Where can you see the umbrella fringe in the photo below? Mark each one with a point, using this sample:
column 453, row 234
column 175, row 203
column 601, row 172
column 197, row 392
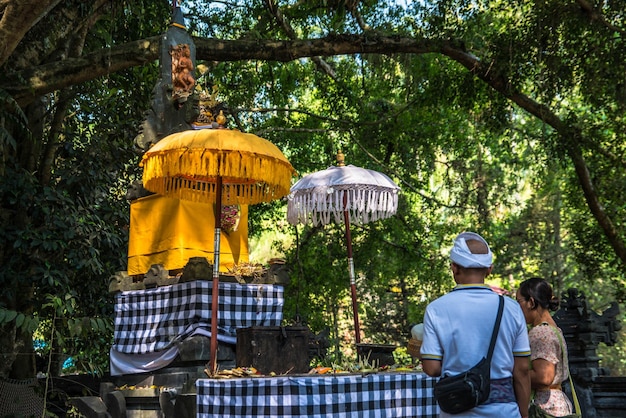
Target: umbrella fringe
column 320, row 207
column 247, row 178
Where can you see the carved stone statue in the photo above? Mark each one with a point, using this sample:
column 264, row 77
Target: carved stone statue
column 175, row 104
column 182, row 73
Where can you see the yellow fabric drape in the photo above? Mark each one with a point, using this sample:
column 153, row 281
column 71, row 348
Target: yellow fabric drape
column 170, row 231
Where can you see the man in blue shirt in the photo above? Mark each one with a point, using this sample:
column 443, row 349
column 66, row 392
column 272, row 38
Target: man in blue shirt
column 458, row 327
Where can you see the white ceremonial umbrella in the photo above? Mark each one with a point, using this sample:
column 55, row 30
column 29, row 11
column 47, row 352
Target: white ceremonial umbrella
column 347, row 194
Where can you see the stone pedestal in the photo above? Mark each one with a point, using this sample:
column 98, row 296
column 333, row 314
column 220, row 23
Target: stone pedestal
column 169, row 392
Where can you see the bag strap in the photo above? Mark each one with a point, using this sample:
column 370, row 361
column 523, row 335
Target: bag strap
column 571, row 383
column 496, row 328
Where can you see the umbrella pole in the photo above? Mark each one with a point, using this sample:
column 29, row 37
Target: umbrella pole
column 216, row 274
column 355, row 305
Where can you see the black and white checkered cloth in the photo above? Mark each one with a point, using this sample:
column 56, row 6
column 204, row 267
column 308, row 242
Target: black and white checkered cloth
column 378, row 395
column 153, row 319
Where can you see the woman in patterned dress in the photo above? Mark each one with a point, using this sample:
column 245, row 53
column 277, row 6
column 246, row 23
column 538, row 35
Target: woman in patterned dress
column 549, row 366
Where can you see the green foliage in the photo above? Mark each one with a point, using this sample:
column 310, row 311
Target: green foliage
column 464, row 155
column 61, row 240
column 466, row 159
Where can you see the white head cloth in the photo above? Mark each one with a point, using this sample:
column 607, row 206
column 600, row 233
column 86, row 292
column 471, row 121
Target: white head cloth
column 461, row 254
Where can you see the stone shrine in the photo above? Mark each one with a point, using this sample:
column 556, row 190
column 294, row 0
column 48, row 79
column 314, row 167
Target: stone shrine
column 599, row 394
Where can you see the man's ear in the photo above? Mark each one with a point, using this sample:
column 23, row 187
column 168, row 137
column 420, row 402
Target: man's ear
column 489, row 270
column 454, row 268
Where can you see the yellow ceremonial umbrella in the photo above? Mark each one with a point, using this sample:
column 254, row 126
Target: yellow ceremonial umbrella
column 222, row 166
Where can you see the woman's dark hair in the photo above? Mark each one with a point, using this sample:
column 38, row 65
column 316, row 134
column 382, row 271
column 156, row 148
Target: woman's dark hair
column 540, row 291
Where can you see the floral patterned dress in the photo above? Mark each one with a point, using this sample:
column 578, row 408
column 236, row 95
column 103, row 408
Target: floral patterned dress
column 544, row 344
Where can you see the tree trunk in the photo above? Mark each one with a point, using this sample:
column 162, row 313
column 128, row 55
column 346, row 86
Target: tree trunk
column 7, row 349
column 23, row 364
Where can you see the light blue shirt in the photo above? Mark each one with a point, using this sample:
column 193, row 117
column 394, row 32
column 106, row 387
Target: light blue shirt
column 457, row 331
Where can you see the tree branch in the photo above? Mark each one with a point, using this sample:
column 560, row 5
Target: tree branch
column 36, row 81
column 17, row 19
column 593, row 202
column 570, row 137
column 288, row 29
column 594, row 14
column 51, row 77
column 26, row 85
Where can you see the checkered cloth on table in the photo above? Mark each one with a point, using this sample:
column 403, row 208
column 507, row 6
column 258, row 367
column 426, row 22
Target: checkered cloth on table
column 153, row 319
column 375, row 395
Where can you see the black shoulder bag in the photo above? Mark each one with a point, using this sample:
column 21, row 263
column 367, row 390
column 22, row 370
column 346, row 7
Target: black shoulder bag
column 456, row 394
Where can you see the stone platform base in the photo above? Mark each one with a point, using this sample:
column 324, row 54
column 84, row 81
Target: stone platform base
column 166, row 393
